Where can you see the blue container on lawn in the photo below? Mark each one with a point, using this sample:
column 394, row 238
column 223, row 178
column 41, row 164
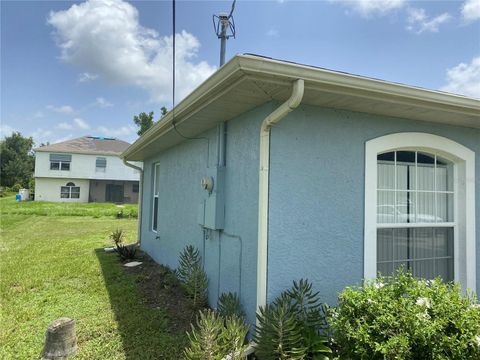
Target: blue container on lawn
column 18, row 197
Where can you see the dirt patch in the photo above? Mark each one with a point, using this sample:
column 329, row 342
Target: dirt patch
column 161, row 289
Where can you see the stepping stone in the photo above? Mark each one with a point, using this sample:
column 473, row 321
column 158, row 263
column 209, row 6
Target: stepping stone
column 132, row 264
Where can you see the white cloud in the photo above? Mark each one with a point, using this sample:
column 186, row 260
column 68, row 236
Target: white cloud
column 64, row 109
column 86, row 76
column 369, row 8
column 464, row 79
column 418, row 21
column 63, row 138
column 471, row 10
column 120, row 131
column 41, row 135
column 106, row 38
column 38, row 115
column 64, row 126
column 6, row 130
column 81, row 124
column 272, row 32
column 102, row 103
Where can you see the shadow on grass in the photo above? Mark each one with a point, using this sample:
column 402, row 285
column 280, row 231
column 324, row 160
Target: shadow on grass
column 137, row 298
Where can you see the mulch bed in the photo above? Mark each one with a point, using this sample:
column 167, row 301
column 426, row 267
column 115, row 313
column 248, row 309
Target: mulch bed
column 161, row 289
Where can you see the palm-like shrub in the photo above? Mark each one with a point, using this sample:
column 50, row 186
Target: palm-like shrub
column 192, row 276
column 229, row 305
column 292, row 327
column 215, row 337
column 405, row 318
column 126, row 252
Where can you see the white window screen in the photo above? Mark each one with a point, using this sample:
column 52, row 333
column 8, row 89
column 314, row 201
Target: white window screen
column 415, row 217
column 100, row 164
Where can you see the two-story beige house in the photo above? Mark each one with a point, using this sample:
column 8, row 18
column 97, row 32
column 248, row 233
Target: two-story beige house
column 85, row 169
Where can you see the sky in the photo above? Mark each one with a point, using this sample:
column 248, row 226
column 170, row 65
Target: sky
column 75, row 68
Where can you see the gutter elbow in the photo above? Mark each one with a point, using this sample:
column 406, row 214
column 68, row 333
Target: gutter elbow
column 297, row 94
column 293, row 101
column 126, row 163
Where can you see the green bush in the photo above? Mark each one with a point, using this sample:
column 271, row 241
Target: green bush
column 229, row 305
column 192, row 276
column 16, row 188
column 293, row 326
column 404, row 318
column 215, row 337
column 126, row 252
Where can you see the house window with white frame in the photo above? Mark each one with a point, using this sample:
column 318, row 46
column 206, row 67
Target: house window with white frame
column 70, row 191
column 415, row 217
column 100, row 164
column 156, row 192
column 420, row 207
column 60, row 162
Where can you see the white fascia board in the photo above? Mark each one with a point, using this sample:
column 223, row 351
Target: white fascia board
column 275, row 71
column 383, row 89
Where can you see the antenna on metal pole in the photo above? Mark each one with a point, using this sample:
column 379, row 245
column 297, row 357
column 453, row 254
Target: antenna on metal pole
column 224, row 26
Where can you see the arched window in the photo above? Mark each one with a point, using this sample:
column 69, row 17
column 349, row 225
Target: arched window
column 70, row 191
column 419, row 207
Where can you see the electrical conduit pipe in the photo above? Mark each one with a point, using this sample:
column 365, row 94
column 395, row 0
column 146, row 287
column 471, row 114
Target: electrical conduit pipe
column 140, row 195
column 277, row 115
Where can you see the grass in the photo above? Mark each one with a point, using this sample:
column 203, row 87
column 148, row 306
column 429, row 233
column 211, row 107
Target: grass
column 8, row 206
column 54, row 266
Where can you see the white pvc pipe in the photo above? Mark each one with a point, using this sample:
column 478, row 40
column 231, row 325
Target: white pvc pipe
column 140, row 195
column 278, row 114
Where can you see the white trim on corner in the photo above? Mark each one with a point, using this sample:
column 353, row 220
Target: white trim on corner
column 464, row 160
column 155, row 165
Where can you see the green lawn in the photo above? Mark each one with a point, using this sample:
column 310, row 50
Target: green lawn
column 53, row 266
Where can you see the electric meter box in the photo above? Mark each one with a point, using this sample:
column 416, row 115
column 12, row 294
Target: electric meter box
column 211, row 212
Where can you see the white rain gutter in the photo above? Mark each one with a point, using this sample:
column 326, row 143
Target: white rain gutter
column 140, row 195
column 277, row 115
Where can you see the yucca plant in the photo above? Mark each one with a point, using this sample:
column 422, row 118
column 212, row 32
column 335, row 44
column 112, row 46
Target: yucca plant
column 229, row 305
column 279, row 334
column 293, row 326
column 192, row 276
column 126, row 252
column 117, row 236
column 204, row 344
column 215, row 337
column 189, row 258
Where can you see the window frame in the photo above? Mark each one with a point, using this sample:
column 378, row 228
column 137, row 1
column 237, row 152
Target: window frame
column 101, row 160
column 135, row 188
column 60, row 165
column 70, row 186
column 155, row 197
column 463, row 160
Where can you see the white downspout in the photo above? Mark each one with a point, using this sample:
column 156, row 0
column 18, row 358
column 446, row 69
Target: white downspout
column 274, row 117
column 140, row 195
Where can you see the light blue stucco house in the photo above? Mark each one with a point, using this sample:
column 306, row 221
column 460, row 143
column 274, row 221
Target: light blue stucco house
column 278, row 171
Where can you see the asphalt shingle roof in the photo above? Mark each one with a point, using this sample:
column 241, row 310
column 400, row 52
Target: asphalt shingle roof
column 88, row 145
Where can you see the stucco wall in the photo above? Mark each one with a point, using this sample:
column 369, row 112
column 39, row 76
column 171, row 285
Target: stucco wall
column 316, row 200
column 317, row 194
column 181, row 169
column 48, row 189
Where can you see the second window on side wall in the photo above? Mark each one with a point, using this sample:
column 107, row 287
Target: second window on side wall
column 156, row 192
